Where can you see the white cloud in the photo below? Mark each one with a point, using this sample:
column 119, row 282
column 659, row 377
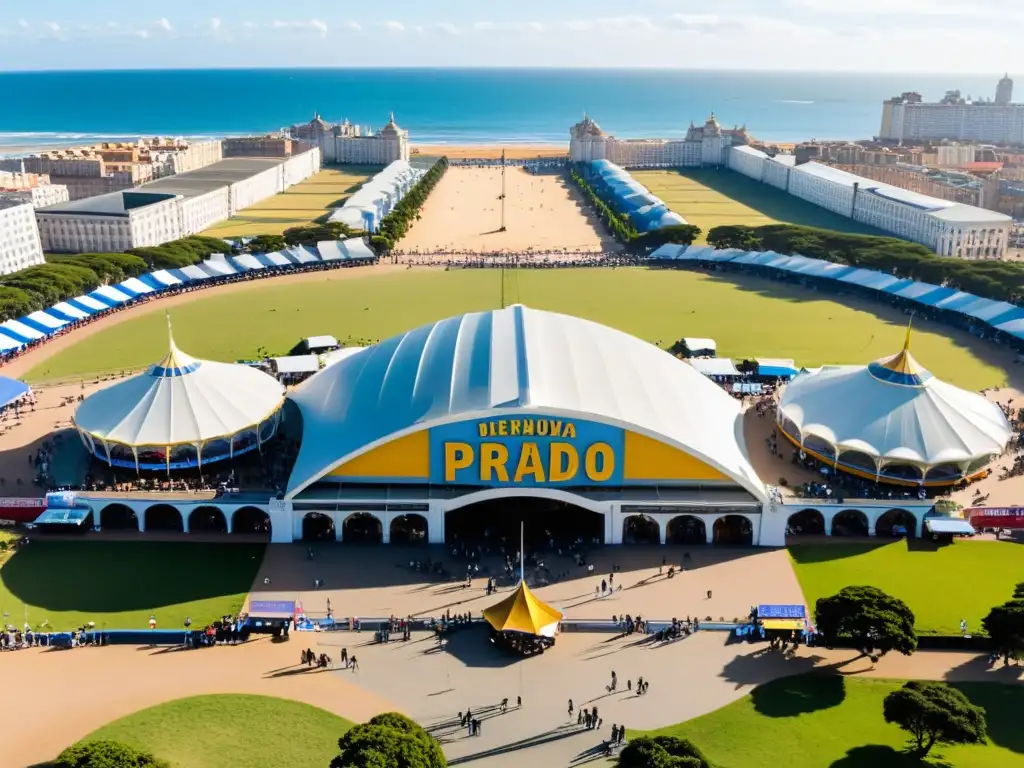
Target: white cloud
column 579, row 26
column 447, row 27
column 353, row 26
column 215, row 24
column 165, row 25
column 314, row 25
column 394, row 26
column 23, row 24
column 624, row 23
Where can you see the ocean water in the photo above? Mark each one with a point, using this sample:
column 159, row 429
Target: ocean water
column 455, row 106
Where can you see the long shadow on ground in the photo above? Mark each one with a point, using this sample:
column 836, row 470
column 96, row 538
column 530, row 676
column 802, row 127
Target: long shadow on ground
column 879, row 756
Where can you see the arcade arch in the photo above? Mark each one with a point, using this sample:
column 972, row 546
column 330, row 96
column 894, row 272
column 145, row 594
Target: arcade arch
column 362, row 528
column 550, row 520
column 733, row 531
column 251, row 520
column 806, row 522
column 850, row 522
column 316, row 526
column 207, row 519
column 164, row 517
column 119, row 517
column 686, row 529
column 895, row 519
column 641, row 529
column 409, row 529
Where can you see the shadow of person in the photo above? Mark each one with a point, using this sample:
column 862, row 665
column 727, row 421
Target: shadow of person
column 881, row 756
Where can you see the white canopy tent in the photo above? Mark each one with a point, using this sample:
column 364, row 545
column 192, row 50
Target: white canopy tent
column 892, row 418
column 181, row 412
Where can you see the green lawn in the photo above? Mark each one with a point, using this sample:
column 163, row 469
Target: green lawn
column 304, row 203
column 748, row 317
column 820, row 720
column 232, row 729
column 941, row 586
column 709, row 198
column 120, row 584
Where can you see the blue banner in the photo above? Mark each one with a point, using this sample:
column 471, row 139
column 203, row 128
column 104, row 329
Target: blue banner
column 781, row 612
column 535, row 451
column 263, row 607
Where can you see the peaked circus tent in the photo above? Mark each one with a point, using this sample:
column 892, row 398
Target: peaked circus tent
column 523, row 611
column 893, row 419
column 181, row 412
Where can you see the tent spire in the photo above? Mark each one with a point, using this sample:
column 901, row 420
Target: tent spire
column 906, row 341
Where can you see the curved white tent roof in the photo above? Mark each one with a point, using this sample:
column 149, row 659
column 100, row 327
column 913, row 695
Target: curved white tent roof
column 181, row 400
column 895, row 410
column 477, row 364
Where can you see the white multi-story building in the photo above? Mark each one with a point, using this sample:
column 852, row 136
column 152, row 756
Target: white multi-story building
column 703, row 146
column 909, row 119
column 170, row 208
column 948, row 228
column 344, row 143
column 20, row 246
column 38, row 196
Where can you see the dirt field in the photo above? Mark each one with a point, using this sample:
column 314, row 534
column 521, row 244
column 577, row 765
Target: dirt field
column 512, row 151
column 543, row 212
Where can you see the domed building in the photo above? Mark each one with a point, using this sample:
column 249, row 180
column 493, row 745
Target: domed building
column 519, row 411
column 181, row 413
column 892, row 421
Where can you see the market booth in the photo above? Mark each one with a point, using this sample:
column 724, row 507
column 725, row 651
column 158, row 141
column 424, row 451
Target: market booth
column 523, row 622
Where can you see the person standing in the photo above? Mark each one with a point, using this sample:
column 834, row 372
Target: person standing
column 570, row 709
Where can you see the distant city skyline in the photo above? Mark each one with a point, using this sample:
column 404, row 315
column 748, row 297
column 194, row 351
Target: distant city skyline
column 817, row 35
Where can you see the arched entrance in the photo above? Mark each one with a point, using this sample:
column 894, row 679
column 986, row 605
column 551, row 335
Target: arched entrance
column 207, row 520
column 688, row 530
column 251, row 520
column 119, row 517
column 640, row 529
column 362, row 528
column 850, row 522
column 549, row 525
column 807, row 522
column 733, row 531
column 163, row 517
column 896, row 522
column 409, row 529
column 316, row 526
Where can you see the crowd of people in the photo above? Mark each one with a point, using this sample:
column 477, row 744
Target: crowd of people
column 556, row 258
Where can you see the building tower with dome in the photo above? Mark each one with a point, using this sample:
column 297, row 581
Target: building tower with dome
column 705, row 145
column 346, row 142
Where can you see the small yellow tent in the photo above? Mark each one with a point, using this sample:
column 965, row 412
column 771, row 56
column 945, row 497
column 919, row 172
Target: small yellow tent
column 522, row 611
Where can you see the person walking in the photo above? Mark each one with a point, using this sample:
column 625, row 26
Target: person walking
column 344, row 657
column 355, row 663
column 570, row 709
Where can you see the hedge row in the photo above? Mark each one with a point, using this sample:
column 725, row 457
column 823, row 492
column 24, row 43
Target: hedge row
column 65, row 277
column 619, row 225
column 999, row 280
column 397, row 222
column 310, row 235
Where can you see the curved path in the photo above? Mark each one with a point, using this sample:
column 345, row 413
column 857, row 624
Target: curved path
column 688, row 678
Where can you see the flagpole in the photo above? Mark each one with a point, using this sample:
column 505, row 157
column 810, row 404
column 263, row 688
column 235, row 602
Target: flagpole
column 522, row 552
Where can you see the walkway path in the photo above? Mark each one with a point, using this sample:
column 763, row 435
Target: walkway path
column 688, row 678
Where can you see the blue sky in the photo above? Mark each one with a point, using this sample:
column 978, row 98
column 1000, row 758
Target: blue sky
column 842, row 35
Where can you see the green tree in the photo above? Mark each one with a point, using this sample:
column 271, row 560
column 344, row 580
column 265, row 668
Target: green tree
column 267, row 244
column 389, row 740
column 1005, row 626
column 662, row 752
column 678, row 234
column 1018, row 591
column 873, row 621
column 934, row 713
column 107, row 754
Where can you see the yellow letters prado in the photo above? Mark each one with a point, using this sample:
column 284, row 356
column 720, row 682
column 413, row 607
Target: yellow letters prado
column 526, row 451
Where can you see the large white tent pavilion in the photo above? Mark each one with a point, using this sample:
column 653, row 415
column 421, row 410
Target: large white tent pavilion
column 181, row 413
column 892, row 420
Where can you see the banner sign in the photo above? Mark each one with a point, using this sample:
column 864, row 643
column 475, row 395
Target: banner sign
column 271, row 607
column 15, row 503
column 781, row 612
column 61, row 500
column 996, row 517
column 526, row 451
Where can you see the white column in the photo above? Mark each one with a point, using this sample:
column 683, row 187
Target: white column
column 662, row 531
column 613, row 525
column 385, row 526
column 184, row 519
column 229, row 518
column 282, row 521
column 872, row 517
column 435, row 523
column 140, row 516
column 339, row 525
column 709, row 529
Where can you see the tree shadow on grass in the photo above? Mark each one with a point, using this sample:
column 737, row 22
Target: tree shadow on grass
column 110, row 577
column 881, row 756
column 804, row 554
column 792, row 696
column 1003, row 706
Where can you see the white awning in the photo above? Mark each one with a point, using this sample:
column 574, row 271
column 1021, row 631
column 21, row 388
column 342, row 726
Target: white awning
column 949, row 525
column 296, row 364
column 695, row 343
column 48, row 321
column 715, row 366
column 165, row 277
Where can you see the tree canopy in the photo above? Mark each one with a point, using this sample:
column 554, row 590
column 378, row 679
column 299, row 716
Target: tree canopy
column 934, row 713
column 1005, row 626
column 400, row 218
column 873, row 621
column 389, row 740
column 311, row 234
column 619, row 225
column 106, row 754
column 680, row 234
column 267, row 243
column 987, row 278
column 662, row 752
